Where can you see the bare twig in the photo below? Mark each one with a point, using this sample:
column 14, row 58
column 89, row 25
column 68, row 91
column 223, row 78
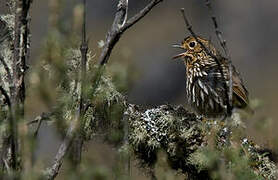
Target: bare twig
column 43, row 116
column 39, row 119
column 76, row 149
column 190, row 29
column 38, row 128
column 225, row 48
column 217, row 31
column 84, row 52
column 53, row 171
column 141, row 14
column 120, row 25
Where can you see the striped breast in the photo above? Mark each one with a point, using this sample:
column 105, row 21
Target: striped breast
column 205, row 89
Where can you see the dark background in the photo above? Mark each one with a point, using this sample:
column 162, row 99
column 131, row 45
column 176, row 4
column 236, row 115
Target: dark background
column 250, row 28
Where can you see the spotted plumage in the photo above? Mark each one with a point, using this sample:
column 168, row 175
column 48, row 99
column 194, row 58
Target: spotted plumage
column 205, row 87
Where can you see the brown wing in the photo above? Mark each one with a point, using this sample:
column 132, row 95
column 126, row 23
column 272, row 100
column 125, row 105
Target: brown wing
column 240, row 93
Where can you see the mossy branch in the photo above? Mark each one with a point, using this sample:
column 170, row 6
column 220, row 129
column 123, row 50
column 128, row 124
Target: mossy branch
column 195, row 147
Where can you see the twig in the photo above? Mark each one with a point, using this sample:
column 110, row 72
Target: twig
column 53, row 171
column 38, row 128
column 120, row 25
column 76, row 149
column 141, row 14
column 217, row 31
column 190, row 29
column 84, row 52
column 43, row 116
column 225, row 48
column 39, row 119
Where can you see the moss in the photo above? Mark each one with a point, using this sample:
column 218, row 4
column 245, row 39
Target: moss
column 201, row 149
column 167, row 128
column 107, row 108
column 259, row 160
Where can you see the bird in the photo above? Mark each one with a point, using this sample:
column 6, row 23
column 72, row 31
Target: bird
column 207, row 79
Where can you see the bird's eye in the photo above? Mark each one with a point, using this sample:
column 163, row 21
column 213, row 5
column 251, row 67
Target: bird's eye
column 192, row 44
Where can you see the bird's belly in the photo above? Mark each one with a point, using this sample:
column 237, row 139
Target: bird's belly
column 204, row 100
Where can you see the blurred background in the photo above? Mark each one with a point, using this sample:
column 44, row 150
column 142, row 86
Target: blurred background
column 143, row 54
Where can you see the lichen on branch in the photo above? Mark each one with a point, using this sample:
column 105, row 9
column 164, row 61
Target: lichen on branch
column 194, row 147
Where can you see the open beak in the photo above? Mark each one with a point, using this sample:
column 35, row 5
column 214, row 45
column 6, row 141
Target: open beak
column 181, row 54
column 177, row 46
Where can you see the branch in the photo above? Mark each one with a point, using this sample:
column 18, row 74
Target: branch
column 39, row 119
column 195, row 148
column 141, row 14
column 53, row 171
column 217, row 31
column 190, row 29
column 120, row 25
column 17, row 87
column 225, row 48
column 43, row 116
column 84, row 52
column 76, row 149
column 117, row 29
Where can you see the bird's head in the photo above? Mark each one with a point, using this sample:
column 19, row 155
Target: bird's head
column 191, row 47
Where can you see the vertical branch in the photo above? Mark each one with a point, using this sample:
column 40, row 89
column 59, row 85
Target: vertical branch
column 226, row 51
column 21, row 53
column 78, row 141
column 84, row 51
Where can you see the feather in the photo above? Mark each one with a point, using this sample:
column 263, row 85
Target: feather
column 240, row 93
